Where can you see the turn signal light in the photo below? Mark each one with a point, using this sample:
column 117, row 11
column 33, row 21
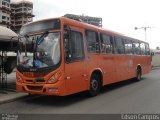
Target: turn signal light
column 54, row 78
column 19, row 79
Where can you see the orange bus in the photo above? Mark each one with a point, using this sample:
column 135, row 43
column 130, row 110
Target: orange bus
column 61, row 56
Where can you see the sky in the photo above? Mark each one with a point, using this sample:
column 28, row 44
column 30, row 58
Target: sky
column 118, row 15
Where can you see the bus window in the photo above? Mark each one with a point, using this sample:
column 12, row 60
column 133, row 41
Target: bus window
column 74, row 50
column 142, row 46
column 106, row 43
column 92, row 41
column 147, row 50
column 136, row 48
column 128, row 46
column 119, row 45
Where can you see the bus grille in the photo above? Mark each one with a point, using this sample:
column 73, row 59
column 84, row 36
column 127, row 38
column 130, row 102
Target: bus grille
column 31, row 74
column 29, row 80
column 37, row 80
column 40, row 80
column 34, row 87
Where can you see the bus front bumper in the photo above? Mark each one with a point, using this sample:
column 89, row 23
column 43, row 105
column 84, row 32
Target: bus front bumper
column 57, row 89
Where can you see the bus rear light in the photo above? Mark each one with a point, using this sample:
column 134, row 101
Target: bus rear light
column 54, row 78
column 19, row 79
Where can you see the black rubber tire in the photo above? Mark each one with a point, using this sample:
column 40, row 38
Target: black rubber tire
column 139, row 74
column 95, row 85
column 30, row 94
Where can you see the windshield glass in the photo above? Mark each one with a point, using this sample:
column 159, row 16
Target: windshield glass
column 39, row 55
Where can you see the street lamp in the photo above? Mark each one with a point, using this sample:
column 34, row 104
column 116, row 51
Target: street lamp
column 145, row 31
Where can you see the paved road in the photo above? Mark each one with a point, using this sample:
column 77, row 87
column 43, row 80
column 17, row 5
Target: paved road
column 124, row 97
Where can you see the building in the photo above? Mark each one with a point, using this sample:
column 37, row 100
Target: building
column 14, row 15
column 22, row 13
column 87, row 19
column 5, row 13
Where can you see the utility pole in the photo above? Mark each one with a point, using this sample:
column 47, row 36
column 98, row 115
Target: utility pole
column 145, row 31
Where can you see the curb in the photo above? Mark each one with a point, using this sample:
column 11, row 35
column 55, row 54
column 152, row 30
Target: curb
column 11, row 98
column 153, row 68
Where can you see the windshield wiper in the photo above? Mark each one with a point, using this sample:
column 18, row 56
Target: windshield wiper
column 41, row 39
column 38, row 42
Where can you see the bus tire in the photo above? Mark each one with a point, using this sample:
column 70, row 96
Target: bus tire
column 95, row 85
column 30, row 94
column 139, row 74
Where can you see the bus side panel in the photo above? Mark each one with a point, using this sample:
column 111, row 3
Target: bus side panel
column 123, row 67
column 74, row 76
column 107, row 64
column 136, row 62
column 92, row 64
column 144, row 62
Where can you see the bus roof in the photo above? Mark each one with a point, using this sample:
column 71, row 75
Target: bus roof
column 92, row 27
column 88, row 26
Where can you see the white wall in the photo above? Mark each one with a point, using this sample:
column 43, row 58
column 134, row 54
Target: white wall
column 156, row 59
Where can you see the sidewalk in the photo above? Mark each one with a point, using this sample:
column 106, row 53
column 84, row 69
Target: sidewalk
column 155, row 67
column 9, row 94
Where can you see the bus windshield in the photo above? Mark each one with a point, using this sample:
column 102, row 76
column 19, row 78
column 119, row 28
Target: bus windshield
column 40, row 26
column 36, row 53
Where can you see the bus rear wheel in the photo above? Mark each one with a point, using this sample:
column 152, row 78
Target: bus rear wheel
column 95, row 85
column 139, row 74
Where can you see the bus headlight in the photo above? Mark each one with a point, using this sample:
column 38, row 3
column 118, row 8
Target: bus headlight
column 19, row 79
column 54, row 78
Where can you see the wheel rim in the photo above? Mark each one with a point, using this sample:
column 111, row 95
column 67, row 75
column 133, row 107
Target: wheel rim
column 94, row 85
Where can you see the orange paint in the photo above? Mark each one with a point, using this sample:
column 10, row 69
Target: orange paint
column 75, row 76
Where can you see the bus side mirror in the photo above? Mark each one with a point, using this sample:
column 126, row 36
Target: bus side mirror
column 66, row 34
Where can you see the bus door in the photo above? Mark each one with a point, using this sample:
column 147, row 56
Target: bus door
column 75, row 70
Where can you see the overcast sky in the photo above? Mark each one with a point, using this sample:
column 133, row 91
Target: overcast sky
column 118, row 15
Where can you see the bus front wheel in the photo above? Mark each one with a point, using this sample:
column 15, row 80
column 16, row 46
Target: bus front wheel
column 94, row 85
